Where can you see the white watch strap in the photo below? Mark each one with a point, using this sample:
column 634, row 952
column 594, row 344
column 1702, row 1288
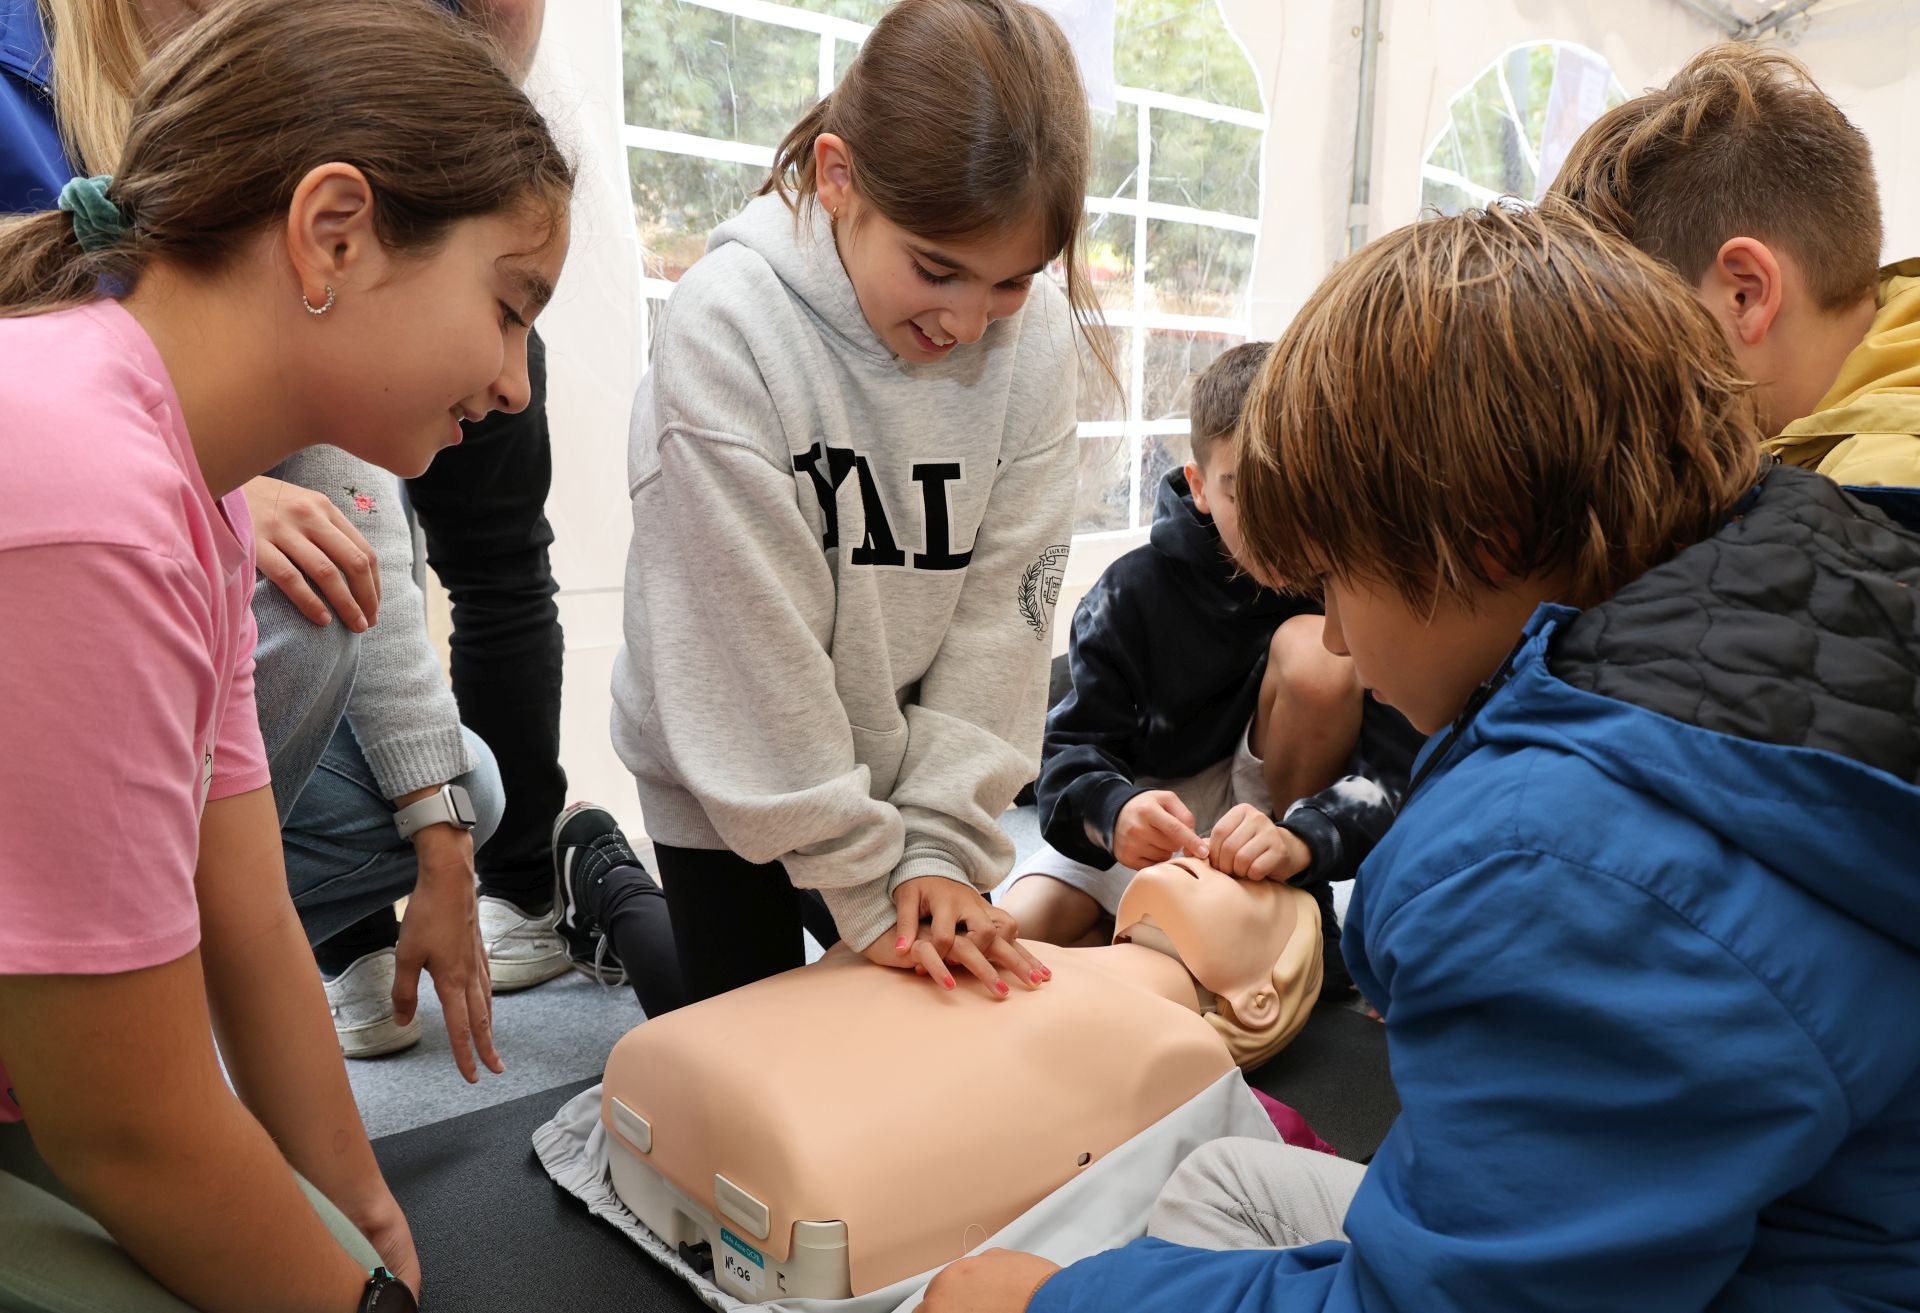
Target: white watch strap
column 450, row 806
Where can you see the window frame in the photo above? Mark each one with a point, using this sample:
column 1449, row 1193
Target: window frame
column 1135, row 321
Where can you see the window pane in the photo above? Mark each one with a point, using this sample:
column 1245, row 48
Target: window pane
column 1106, row 248
column 1174, row 361
column 1158, row 455
column 1444, row 197
column 651, row 307
column 843, row 53
column 1205, row 164
column 860, row 11
column 1182, row 47
column 1489, row 139
column 1102, row 398
column 1116, row 152
column 678, row 199
column 697, row 70
column 1101, row 503
column 1195, row 270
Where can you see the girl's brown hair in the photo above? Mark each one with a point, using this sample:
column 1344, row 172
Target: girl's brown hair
column 1495, row 395
column 231, row 115
column 963, row 118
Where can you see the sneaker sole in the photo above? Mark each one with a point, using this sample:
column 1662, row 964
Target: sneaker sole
column 378, row 1038
column 523, row 973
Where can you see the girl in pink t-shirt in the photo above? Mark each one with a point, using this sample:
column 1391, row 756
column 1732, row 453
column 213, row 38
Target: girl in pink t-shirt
column 333, row 220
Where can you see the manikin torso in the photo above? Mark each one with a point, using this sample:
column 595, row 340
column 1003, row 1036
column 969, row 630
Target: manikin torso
column 798, row 1113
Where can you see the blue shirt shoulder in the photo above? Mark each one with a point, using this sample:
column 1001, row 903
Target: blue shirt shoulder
column 33, row 163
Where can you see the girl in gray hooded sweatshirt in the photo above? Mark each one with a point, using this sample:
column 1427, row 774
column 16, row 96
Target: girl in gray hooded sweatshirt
column 852, row 468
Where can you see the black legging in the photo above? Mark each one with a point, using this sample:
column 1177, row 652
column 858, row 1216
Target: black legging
column 482, row 509
column 725, row 922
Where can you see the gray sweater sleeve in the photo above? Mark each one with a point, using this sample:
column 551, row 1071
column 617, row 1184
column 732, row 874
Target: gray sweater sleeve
column 733, row 640
column 974, row 731
column 402, row 712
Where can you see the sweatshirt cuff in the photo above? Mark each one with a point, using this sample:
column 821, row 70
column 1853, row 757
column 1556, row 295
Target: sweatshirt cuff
column 922, row 862
column 416, row 761
column 1104, row 804
column 1322, row 837
column 861, row 912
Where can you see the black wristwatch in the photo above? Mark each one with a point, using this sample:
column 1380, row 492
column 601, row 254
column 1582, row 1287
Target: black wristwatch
column 386, row 1293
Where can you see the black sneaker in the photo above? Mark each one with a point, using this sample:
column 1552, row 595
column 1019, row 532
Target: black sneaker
column 587, row 845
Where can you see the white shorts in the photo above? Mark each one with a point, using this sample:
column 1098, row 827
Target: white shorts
column 1209, row 795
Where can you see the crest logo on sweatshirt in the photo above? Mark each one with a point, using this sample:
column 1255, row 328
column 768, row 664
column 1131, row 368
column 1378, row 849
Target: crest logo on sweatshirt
column 1040, row 589
column 828, row 467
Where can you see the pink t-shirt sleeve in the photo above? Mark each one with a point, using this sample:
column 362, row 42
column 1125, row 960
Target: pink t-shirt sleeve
column 102, row 694
column 240, row 760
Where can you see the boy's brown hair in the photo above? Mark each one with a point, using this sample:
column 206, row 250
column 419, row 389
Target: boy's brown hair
column 1489, row 396
column 1741, row 143
column 1220, row 394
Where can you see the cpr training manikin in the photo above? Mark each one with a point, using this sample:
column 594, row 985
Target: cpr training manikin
column 779, row 1133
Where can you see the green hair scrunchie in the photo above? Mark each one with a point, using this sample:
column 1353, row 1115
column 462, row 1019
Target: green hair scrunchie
column 97, row 221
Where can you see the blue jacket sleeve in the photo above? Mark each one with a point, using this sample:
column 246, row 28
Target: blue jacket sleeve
column 1598, row 1101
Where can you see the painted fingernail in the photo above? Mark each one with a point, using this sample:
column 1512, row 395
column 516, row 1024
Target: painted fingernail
column 900, row 944
column 947, row 981
column 1000, row 987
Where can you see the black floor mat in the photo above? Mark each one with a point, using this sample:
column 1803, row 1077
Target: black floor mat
column 495, row 1233
column 1335, row 1075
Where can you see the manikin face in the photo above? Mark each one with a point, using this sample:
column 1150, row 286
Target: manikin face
column 925, row 298
column 419, row 344
column 1253, row 944
column 1212, row 485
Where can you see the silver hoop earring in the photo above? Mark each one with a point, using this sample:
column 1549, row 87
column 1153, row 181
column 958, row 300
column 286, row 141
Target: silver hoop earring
column 321, row 309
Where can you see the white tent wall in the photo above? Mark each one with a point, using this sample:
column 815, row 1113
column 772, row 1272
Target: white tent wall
column 593, row 334
column 1307, row 55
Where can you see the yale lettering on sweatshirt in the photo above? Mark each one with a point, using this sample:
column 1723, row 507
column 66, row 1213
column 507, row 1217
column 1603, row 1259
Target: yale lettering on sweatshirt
column 828, row 467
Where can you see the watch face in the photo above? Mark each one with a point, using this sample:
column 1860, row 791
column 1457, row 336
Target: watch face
column 392, row 1297
column 462, row 806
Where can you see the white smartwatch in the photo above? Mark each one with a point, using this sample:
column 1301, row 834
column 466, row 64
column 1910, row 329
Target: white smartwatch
column 450, row 806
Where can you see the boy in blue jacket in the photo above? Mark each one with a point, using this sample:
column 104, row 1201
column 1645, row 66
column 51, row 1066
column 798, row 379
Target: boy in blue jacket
column 1636, row 929
column 1199, row 699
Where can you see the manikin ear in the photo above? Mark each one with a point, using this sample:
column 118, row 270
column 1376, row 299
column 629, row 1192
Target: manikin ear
column 330, row 233
column 1743, row 289
column 832, row 172
column 1196, row 484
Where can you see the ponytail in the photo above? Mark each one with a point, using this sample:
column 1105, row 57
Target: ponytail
column 43, row 266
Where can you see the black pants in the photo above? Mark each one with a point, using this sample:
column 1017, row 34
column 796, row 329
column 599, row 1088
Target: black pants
column 482, row 507
column 726, row 923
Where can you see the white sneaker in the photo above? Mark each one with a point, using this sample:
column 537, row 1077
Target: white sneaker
column 522, row 950
column 362, row 1001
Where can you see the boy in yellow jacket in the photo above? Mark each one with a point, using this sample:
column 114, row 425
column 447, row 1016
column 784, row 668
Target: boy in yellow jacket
column 1747, row 179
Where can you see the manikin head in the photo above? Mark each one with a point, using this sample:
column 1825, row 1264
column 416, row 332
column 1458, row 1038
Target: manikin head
column 1253, row 946
column 1748, row 181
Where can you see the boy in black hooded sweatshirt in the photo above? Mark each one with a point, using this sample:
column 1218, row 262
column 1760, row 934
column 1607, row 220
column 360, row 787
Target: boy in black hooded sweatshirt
column 1198, row 699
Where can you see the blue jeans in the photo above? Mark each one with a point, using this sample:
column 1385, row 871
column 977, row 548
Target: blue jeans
column 346, row 865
